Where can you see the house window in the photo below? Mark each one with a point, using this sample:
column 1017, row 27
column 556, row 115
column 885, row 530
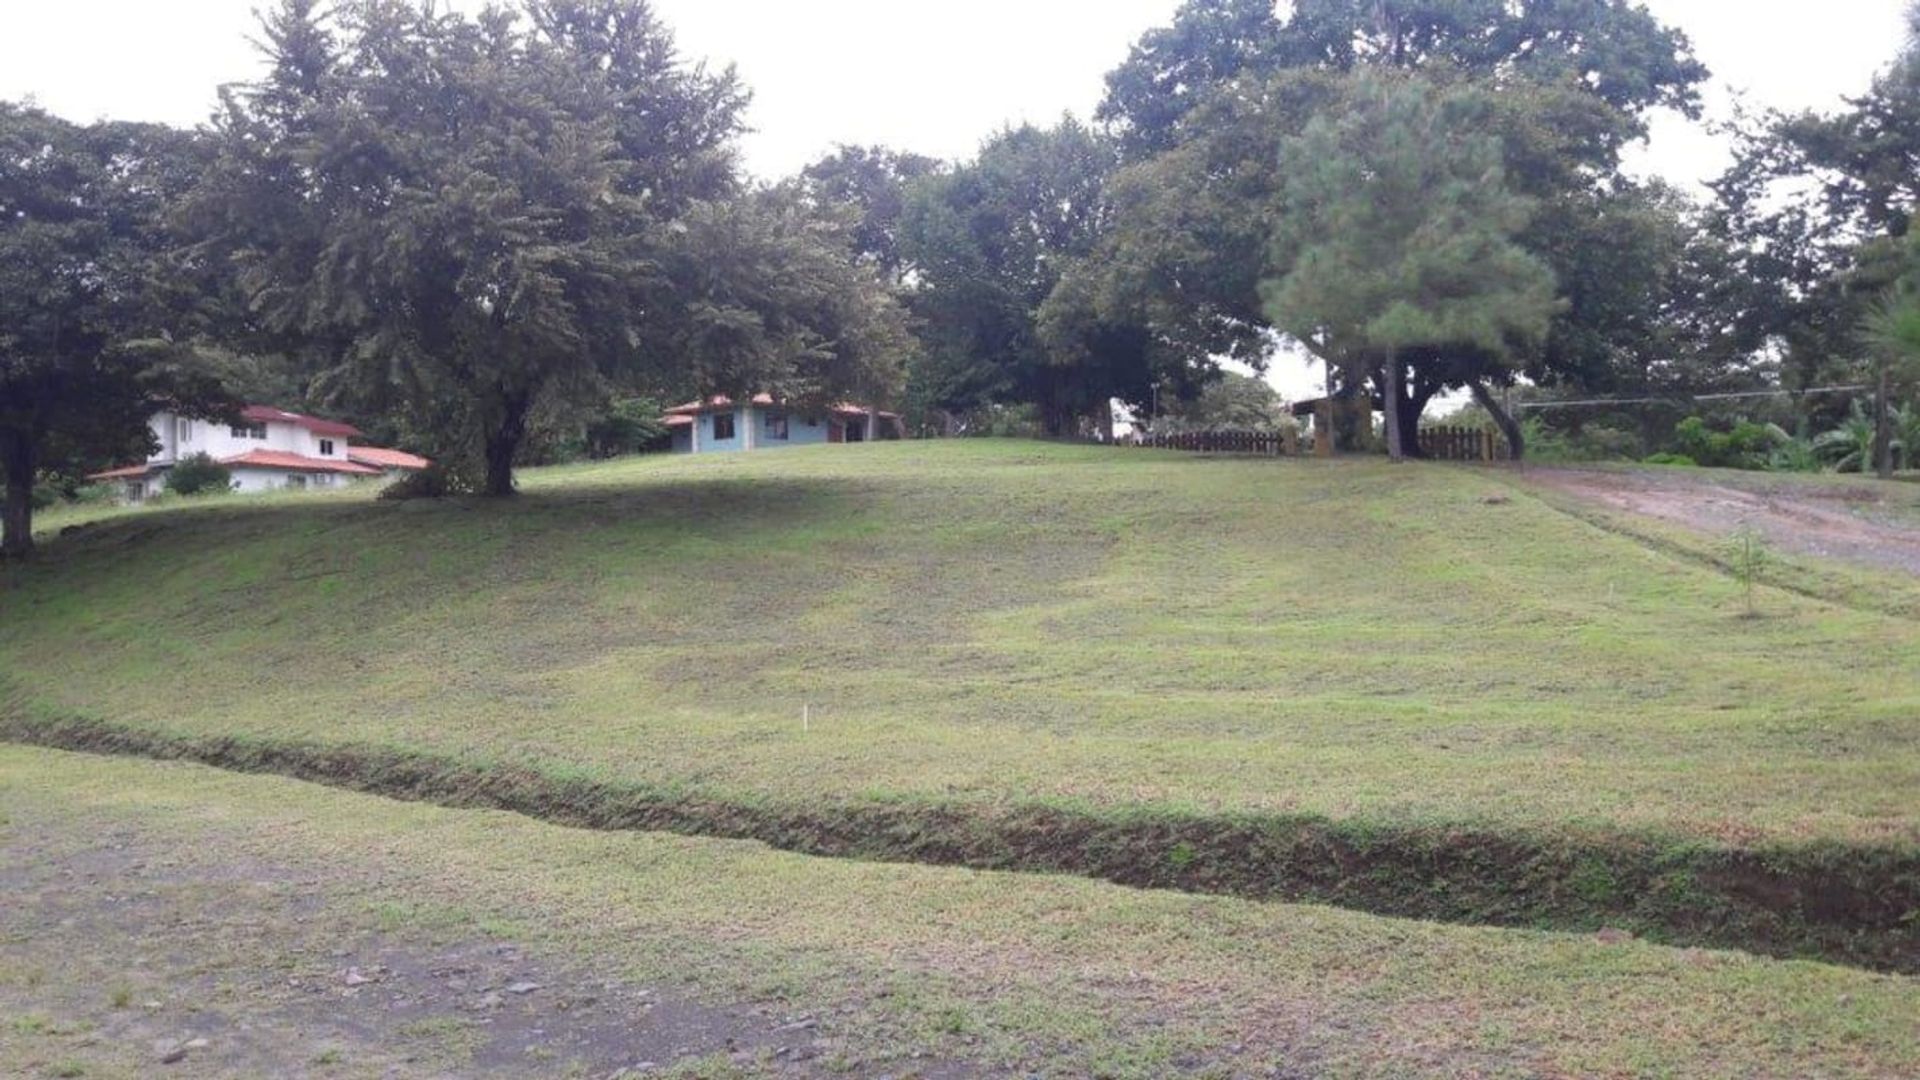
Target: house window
column 296, row 480
column 723, row 425
column 183, row 429
column 249, row 431
column 776, row 425
column 326, row 447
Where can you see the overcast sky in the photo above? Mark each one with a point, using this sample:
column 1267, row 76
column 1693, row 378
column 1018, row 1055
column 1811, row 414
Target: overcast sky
column 914, row 74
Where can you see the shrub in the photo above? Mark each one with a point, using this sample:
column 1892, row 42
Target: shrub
column 1664, row 458
column 626, row 426
column 428, row 483
column 1746, row 446
column 1593, row 442
column 1794, row 455
column 199, row 475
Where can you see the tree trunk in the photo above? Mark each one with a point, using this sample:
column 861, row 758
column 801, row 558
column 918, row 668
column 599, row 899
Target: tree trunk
column 1411, row 410
column 1396, row 446
column 1055, row 420
column 1516, row 442
column 1883, row 426
column 16, row 523
column 1346, row 391
column 503, row 442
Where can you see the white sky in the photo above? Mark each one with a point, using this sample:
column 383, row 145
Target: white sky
column 914, row 74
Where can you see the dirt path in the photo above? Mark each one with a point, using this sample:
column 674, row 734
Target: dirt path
column 1859, row 523
column 122, row 957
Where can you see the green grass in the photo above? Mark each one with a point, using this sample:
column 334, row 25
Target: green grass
column 989, row 625
column 1044, row 974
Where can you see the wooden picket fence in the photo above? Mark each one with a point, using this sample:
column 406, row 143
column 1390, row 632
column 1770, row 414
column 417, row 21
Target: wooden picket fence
column 1463, row 444
column 1439, row 443
column 1264, row 443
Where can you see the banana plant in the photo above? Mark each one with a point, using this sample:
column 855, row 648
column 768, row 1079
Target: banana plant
column 1849, row 447
column 1906, row 435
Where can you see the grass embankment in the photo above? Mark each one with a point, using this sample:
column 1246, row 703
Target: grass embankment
column 1054, row 975
column 1340, row 680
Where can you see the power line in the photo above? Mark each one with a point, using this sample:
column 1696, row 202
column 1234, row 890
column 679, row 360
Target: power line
column 1729, row 396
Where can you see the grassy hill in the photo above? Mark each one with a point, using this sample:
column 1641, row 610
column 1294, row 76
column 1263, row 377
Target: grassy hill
column 1418, row 690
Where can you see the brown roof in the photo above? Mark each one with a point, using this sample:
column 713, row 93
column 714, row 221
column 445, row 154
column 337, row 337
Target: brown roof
column 267, row 414
column 386, row 459
column 721, row 401
column 280, row 459
column 125, row 473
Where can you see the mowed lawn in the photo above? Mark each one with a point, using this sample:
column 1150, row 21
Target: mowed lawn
column 1002, row 621
column 913, row 971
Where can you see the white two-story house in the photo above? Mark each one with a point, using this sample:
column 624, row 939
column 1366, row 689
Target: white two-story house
column 265, row 449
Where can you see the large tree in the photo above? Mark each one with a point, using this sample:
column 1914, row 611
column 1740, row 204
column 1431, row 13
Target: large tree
column 92, row 337
column 1397, row 234
column 869, row 183
column 773, row 299
column 989, row 241
column 1811, row 208
column 1614, row 48
column 1204, row 105
column 457, row 217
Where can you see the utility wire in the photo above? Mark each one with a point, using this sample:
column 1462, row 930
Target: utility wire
column 1677, row 398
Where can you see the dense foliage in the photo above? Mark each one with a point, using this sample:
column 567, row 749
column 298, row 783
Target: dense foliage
column 95, row 332
column 464, row 219
column 502, row 236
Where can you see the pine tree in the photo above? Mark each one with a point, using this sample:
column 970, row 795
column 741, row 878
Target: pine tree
column 1396, row 229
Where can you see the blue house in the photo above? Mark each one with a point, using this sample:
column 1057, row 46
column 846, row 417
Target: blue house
column 700, row 427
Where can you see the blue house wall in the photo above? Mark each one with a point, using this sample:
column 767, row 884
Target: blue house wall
column 802, row 430
column 707, row 439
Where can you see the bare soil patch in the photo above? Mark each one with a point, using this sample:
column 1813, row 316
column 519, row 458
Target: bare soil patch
column 1856, row 523
column 128, row 957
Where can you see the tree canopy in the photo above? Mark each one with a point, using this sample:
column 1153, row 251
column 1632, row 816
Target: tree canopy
column 988, row 241
column 486, row 228
column 465, row 216
column 1614, row 49
column 93, row 336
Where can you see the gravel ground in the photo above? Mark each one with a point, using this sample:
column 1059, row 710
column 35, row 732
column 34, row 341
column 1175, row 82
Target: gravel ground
column 1852, row 522
column 120, row 956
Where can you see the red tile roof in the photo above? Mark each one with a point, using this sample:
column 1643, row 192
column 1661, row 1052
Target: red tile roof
column 267, row 414
column 280, row 459
column 717, row 401
column 386, row 459
column 721, row 401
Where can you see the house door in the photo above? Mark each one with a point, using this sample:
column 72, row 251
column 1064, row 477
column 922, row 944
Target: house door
column 856, row 430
